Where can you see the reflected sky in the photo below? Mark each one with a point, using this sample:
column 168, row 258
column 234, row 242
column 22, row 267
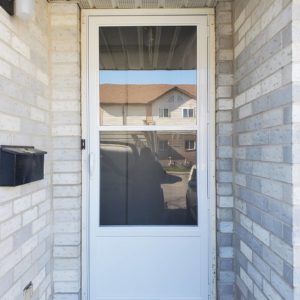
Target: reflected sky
column 148, row 77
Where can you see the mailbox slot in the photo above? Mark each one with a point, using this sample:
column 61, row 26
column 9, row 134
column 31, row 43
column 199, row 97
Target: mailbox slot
column 20, row 165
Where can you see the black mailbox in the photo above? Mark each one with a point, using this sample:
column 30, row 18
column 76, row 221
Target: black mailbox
column 20, row 165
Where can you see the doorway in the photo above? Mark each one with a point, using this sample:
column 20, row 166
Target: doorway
column 148, row 142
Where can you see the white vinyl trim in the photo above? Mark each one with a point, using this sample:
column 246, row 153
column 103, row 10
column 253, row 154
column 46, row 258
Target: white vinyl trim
column 148, row 128
column 212, row 247
column 85, row 179
column 150, row 12
column 134, row 298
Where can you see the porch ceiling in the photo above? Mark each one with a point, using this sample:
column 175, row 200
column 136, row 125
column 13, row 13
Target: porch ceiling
column 142, row 3
column 157, row 48
column 147, row 48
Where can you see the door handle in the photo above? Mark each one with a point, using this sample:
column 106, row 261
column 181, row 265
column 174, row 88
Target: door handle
column 92, row 163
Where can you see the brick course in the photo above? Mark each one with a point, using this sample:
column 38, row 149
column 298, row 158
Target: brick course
column 66, row 132
column 224, row 106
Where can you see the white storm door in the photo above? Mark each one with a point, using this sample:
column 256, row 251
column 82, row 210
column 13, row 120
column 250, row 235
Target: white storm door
column 148, row 197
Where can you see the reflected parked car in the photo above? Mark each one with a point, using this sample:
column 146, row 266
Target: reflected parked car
column 130, row 186
column 191, row 196
column 117, row 174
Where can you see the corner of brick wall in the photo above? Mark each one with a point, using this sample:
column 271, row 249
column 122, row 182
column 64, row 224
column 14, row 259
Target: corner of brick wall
column 296, row 146
column 224, row 106
column 66, row 135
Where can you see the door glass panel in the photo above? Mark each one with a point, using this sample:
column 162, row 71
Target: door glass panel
column 148, row 178
column 148, row 76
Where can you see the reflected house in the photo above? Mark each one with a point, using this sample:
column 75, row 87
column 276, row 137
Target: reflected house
column 154, row 104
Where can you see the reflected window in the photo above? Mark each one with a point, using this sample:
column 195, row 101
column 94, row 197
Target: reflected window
column 164, row 113
column 188, row 112
column 163, row 145
column 190, row 145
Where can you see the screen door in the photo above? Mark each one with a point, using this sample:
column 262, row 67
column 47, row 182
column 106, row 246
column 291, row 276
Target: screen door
column 148, row 157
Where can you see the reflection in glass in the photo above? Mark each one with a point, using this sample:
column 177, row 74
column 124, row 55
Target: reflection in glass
column 147, row 75
column 147, row 48
column 151, row 104
column 148, row 178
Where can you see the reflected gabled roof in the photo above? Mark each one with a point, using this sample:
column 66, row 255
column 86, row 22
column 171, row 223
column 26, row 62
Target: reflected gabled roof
column 142, row 93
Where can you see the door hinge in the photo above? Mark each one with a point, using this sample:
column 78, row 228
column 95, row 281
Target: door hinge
column 82, row 144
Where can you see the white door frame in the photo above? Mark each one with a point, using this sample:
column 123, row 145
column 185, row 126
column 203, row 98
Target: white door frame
column 87, row 15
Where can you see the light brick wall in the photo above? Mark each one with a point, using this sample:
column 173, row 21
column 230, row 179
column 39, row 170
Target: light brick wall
column 40, row 106
column 224, row 106
column 262, row 149
column 25, row 220
column 66, row 132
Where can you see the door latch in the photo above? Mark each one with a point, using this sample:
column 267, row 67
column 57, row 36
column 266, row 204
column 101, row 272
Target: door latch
column 82, row 144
